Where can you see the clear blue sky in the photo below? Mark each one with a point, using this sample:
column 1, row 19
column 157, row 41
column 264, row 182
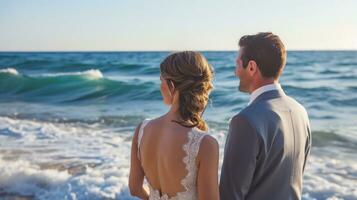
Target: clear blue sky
column 71, row 25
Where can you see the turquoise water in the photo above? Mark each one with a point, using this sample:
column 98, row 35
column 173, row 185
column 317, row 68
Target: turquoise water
column 66, row 119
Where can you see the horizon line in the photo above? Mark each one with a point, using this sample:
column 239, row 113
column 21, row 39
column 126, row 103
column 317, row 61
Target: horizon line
column 108, row 51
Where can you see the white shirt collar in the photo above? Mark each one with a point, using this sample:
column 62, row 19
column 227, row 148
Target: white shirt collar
column 261, row 90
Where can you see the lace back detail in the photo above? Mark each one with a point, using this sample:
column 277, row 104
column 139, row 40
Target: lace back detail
column 191, row 148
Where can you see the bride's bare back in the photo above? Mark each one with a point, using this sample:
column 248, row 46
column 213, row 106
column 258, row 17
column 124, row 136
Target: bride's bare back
column 165, row 150
column 162, row 154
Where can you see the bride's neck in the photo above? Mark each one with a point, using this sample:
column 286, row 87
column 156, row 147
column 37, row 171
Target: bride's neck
column 174, row 113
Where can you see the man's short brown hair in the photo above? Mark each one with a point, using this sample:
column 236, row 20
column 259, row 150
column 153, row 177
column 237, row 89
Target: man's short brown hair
column 267, row 50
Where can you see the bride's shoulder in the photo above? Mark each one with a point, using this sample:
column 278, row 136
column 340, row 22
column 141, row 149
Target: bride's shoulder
column 147, row 123
column 139, row 128
column 209, row 145
column 208, row 140
column 152, row 121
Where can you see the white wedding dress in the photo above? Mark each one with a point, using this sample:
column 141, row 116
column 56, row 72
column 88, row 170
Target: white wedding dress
column 189, row 182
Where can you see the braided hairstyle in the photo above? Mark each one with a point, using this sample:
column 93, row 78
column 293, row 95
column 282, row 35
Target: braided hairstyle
column 191, row 76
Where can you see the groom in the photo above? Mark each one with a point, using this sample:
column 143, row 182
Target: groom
column 269, row 140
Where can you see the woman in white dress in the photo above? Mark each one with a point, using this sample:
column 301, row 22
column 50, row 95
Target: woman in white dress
column 175, row 155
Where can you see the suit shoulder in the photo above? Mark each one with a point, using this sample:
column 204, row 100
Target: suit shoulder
column 298, row 104
column 240, row 117
column 242, row 121
column 250, row 112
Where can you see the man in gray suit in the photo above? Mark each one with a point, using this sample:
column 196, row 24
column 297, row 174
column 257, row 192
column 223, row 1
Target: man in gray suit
column 269, row 140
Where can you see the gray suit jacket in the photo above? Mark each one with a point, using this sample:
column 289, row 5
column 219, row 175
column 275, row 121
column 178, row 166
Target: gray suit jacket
column 266, row 150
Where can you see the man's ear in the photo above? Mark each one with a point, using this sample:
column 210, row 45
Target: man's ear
column 252, row 67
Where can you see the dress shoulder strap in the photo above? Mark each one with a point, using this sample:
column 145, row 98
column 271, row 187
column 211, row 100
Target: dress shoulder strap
column 191, row 148
column 196, row 141
column 141, row 133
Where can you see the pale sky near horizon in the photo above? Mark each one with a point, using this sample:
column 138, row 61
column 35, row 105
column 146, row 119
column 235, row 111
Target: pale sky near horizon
column 120, row 25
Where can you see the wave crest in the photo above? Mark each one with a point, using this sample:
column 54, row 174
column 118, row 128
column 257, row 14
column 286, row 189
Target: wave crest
column 9, row 71
column 92, row 73
column 72, row 86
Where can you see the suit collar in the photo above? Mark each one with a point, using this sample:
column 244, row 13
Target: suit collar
column 272, row 94
column 263, row 89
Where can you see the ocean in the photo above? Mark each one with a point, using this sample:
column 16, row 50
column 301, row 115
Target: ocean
column 67, row 119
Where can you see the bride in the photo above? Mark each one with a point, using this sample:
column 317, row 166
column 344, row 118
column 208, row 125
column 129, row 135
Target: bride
column 175, row 155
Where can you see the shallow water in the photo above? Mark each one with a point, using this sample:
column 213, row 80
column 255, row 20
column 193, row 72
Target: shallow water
column 66, row 119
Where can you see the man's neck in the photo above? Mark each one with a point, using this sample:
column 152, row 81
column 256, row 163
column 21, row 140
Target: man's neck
column 263, row 83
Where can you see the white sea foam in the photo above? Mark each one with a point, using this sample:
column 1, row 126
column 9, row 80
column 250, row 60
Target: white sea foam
column 330, row 178
column 10, row 71
column 23, row 178
column 92, row 73
column 103, row 156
